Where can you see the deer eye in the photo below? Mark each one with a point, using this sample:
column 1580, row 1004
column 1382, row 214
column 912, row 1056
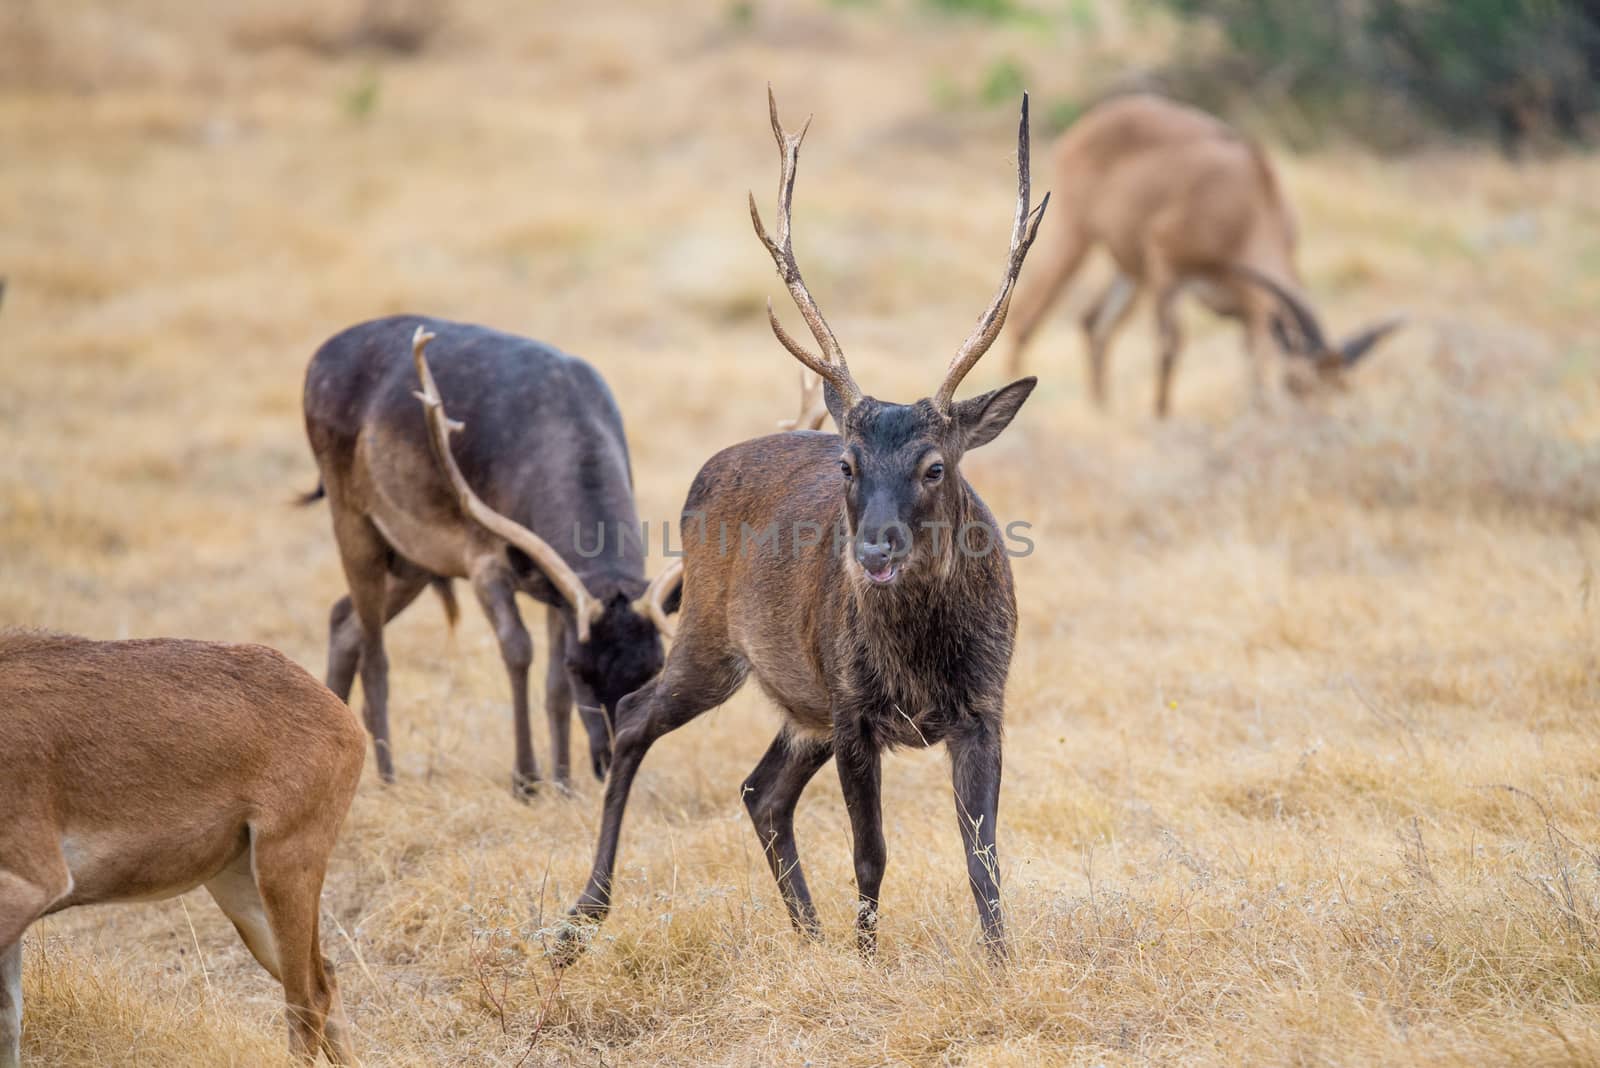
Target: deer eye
column 844, row 469
column 933, row 474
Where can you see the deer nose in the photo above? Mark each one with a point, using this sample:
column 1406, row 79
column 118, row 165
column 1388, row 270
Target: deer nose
column 875, row 556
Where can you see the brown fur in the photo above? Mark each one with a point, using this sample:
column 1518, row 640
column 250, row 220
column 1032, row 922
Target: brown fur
column 1181, row 202
column 815, row 562
column 142, row 769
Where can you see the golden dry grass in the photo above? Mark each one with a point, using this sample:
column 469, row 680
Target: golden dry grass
column 1301, row 761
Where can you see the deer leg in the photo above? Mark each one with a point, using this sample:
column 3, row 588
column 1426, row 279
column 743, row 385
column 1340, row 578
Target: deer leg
column 860, row 768
column 288, row 881
column 1259, row 348
column 558, row 697
column 344, row 629
column 1044, row 285
column 975, row 774
column 1100, row 325
column 235, row 892
column 11, row 1005
column 770, row 795
column 1170, row 338
column 689, row 685
column 29, row 885
column 365, row 556
column 496, row 591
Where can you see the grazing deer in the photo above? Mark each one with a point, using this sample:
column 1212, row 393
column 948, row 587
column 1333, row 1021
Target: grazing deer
column 864, row 606
column 137, row 770
column 1182, row 203
column 549, row 461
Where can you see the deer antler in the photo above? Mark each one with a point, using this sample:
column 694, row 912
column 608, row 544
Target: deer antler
column 440, row 427
column 1305, row 320
column 813, row 408
column 1024, row 228
column 653, row 602
column 831, row 364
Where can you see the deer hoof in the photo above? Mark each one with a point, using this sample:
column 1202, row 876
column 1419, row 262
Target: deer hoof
column 524, row 787
column 569, row 939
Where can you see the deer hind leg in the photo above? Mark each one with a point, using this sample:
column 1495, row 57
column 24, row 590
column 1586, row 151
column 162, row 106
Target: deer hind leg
column 1042, row 287
column 1100, row 325
column 770, row 795
column 344, row 629
column 366, row 558
column 497, row 594
column 287, row 876
column 693, row 681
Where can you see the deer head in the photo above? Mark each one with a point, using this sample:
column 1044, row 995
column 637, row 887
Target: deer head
column 1315, row 365
column 618, row 647
column 899, row 464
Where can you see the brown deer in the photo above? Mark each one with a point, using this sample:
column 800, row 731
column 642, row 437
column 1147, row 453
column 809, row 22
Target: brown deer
column 552, row 517
column 136, row 770
column 1182, row 203
column 865, row 605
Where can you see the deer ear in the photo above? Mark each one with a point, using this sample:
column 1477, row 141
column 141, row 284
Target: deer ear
column 980, row 419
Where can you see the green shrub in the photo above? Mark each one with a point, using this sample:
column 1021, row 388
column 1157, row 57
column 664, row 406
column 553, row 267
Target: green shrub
column 1523, row 68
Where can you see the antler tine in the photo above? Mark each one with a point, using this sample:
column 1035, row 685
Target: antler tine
column 1024, row 228
column 440, row 427
column 654, row 599
column 831, row 364
column 813, row 407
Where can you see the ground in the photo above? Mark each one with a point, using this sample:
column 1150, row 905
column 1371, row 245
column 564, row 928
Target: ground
column 1301, row 757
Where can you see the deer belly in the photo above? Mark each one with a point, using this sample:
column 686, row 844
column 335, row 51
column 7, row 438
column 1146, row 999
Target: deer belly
column 1220, row 299
column 155, row 860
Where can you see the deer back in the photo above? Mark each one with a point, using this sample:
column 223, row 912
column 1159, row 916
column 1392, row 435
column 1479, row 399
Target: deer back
column 148, row 760
column 545, row 448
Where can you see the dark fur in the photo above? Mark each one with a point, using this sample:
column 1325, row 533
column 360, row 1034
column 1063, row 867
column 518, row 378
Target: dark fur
column 543, row 444
column 857, row 668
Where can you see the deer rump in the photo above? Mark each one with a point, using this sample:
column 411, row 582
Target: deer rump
column 546, row 445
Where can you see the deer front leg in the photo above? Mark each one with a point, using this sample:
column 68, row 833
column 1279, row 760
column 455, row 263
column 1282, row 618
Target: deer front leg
column 975, row 775
column 693, row 681
column 558, row 697
column 860, row 766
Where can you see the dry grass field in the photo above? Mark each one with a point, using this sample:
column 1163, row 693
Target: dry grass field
column 1302, row 756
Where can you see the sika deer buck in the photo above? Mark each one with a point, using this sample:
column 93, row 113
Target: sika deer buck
column 542, row 473
column 1182, row 203
column 859, row 608
column 137, row 770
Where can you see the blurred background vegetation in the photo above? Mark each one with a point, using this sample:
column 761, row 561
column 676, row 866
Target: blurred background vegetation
column 1524, row 71
column 1392, row 74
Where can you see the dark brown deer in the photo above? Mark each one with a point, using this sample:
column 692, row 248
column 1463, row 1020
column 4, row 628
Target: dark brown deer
column 137, row 770
column 1182, row 203
column 867, row 605
column 549, row 460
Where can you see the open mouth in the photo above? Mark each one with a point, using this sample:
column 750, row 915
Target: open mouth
column 885, row 575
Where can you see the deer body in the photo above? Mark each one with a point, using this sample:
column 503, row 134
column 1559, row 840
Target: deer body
column 139, row 770
column 547, row 453
column 880, row 635
column 1183, row 204
column 914, row 660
